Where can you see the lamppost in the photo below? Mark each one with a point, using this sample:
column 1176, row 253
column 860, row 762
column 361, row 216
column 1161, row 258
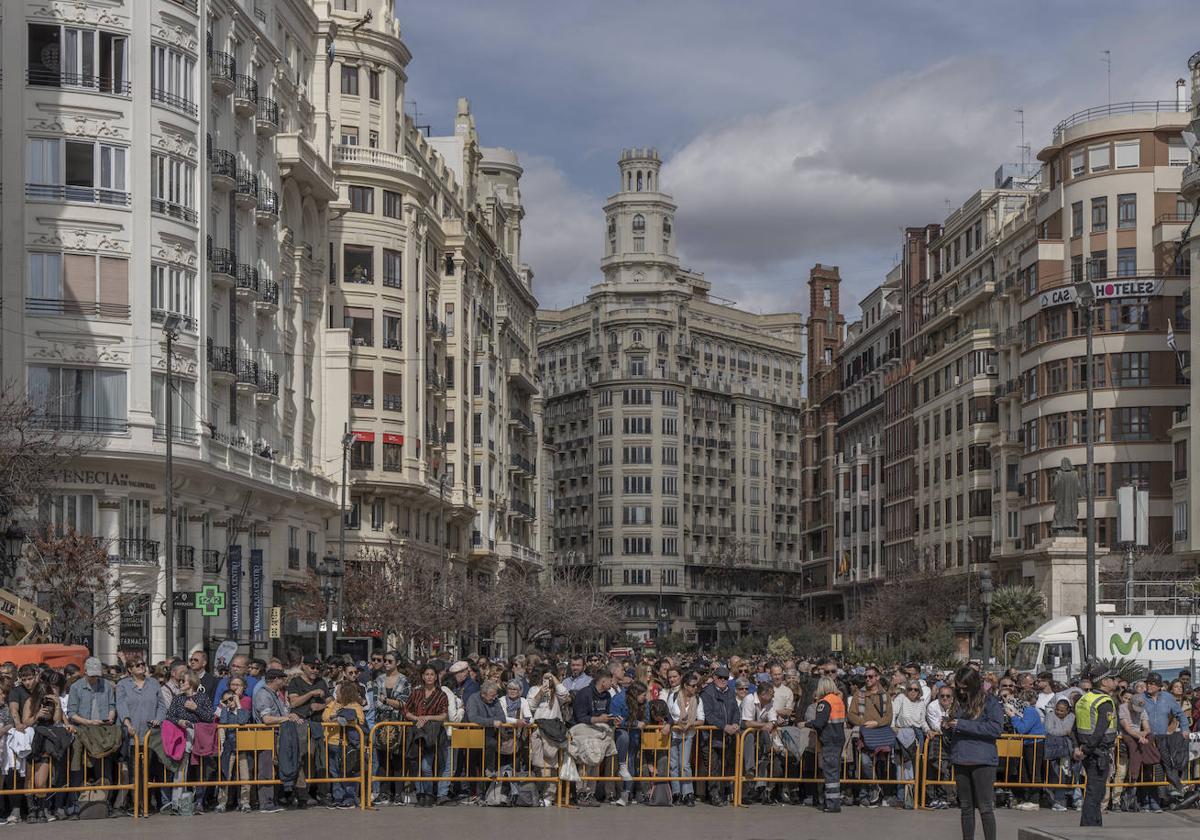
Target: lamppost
column 1085, row 299
column 985, row 598
column 170, row 330
column 14, row 539
column 347, row 442
column 329, row 572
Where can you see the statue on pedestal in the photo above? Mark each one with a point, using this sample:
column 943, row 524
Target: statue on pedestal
column 1066, row 490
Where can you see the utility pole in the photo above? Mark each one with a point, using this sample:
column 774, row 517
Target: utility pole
column 1086, row 300
column 171, row 332
column 1108, row 63
column 347, row 439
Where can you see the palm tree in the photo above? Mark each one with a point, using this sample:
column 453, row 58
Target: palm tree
column 1017, row 608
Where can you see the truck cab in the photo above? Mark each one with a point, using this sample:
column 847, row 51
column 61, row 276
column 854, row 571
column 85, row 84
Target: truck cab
column 1055, row 647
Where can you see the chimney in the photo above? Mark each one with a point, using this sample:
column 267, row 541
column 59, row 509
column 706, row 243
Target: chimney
column 1181, row 96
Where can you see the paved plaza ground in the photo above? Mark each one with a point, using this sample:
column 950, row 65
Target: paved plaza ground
column 605, row 823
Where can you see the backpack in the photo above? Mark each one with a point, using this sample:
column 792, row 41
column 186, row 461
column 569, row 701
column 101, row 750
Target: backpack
column 495, row 797
column 524, row 795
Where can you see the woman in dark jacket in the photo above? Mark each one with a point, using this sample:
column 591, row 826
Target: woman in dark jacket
column 972, row 727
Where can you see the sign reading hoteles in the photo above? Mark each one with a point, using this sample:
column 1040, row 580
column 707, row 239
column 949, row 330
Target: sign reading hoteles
column 1133, row 287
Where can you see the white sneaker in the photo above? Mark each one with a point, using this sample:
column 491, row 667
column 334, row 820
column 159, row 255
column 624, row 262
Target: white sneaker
column 623, row 772
column 622, row 800
column 1026, row 806
column 14, row 818
column 547, row 803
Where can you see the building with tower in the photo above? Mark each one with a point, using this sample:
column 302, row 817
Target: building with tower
column 673, row 422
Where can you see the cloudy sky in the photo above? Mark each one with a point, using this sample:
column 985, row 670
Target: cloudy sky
column 793, row 132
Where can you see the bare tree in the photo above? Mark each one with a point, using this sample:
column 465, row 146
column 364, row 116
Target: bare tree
column 559, row 607
column 911, row 606
column 731, row 564
column 31, row 453
column 68, row 575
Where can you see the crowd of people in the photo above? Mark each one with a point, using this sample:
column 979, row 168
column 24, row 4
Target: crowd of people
column 595, row 729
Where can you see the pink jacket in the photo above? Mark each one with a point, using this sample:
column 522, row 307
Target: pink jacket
column 174, row 740
column 205, row 741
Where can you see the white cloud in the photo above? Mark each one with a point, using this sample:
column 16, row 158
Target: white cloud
column 561, row 235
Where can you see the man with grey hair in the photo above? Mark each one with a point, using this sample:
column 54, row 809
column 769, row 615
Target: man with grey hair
column 485, row 709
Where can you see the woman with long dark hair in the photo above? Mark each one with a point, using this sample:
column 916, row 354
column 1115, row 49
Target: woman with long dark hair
column 972, row 726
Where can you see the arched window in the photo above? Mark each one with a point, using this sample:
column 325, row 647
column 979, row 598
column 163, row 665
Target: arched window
column 639, row 181
column 639, row 223
column 628, row 181
column 650, row 180
column 637, row 336
column 667, row 227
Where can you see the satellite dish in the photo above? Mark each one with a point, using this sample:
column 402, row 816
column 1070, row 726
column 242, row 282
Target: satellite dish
column 1190, row 140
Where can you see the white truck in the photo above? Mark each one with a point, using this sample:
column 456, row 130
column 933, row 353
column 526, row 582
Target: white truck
column 1162, row 643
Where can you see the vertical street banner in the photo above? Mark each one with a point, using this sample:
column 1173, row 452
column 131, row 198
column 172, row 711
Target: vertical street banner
column 256, row 593
column 234, row 562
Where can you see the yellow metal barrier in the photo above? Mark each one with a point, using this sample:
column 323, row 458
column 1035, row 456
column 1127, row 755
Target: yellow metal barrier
column 766, row 762
column 46, row 776
column 472, row 754
column 655, row 762
column 250, row 743
column 1022, row 766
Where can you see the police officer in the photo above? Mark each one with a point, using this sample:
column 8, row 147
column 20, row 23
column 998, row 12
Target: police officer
column 1095, row 732
column 830, row 725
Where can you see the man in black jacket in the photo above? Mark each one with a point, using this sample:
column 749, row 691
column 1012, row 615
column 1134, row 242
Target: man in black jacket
column 718, row 749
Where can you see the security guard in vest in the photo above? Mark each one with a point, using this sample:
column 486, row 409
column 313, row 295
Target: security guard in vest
column 829, row 723
column 1095, row 732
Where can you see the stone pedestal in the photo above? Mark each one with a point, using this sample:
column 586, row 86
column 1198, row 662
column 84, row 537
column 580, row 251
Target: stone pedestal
column 1060, row 573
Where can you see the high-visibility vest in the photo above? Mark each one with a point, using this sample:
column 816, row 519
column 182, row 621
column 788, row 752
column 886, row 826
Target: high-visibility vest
column 1087, row 712
column 837, row 707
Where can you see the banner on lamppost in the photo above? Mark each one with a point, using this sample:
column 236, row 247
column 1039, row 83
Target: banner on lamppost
column 256, row 593
column 233, row 562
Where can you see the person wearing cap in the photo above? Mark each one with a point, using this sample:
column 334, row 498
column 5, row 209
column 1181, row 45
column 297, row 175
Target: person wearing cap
column 270, row 708
column 718, row 747
column 92, row 701
column 1164, row 714
column 308, row 695
column 1095, row 734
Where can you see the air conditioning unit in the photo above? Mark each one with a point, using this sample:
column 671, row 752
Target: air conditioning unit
column 990, row 370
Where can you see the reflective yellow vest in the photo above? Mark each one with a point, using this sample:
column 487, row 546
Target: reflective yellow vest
column 1087, row 709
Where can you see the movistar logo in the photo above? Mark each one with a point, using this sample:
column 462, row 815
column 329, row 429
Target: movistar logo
column 1124, row 647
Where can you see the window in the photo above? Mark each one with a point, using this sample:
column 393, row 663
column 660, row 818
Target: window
column 362, row 454
column 75, row 399
column 1077, row 163
column 172, row 290
column 1126, row 261
column 377, row 514
column 361, row 323
column 636, row 515
column 357, row 264
column 1099, row 214
column 393, row 203
column 172, row 78
column 637, row 485
column 636, row 425
column 1099, row 159
column 1131, row 423
column 1177, row 154
column 362, row 199
column 636, row 454
column 393, row 263
column 349, row 80
column 65, row 56
column 183, row 418
column 68, row 511
column 392, row 456
column 1128, row 154
column 373, row 84
column 77, row 171
column 669, row 425
column 1077, row 219
column 1097, row 266
column 639, row 223
column 1136, row 473
column 349, row 135
column 670, row 485
column 1056, row 429
column 636, row 545
column 78, row 284
column 1127, row 210
column 172, row 187
column 1131, row 369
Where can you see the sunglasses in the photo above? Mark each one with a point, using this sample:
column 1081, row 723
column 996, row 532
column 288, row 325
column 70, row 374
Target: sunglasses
column 946, row 696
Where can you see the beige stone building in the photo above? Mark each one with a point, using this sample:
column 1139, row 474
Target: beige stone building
column 429, row 295
column 673, row 419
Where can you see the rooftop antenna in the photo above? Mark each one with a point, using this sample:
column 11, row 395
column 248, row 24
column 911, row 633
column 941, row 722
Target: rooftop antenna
column 416, row 119
column 1024, row 148
column 1108, row 63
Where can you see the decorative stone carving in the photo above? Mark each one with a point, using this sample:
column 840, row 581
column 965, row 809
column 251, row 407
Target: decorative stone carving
column 174, row 252
column 92, row 12
column 78, row 125
column 180, row 365
column 176, row 144
column 80, row 240
column 68, row 350
column 176, row 36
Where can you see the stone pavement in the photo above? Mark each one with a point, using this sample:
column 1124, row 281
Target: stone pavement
column 699, row 823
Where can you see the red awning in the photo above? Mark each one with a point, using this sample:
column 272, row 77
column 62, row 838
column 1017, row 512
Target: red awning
column 364, row 437
column 388, row 437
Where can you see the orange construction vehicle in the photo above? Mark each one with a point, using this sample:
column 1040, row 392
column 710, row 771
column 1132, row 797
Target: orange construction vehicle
column 27, row 625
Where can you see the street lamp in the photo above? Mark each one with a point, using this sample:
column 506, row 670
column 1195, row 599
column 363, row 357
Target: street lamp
column 347, row 442
column 1085, row 299
column 985, row 597
column 14, row 539
column 170, row 329
column 329, row 571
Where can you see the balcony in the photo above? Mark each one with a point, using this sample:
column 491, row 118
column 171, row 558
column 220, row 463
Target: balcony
column 268, row 386
column 211, row 559
column 293, row 562
column 521, row 375
column 298, row 159
column 1189, row 182
column 362, row 400
column 389, row 162
column 222, row 266
column 133, row 552
column 268, row 297
column 222, row 70
column 247, row 374
column 185, row 557
column 222, row 170
column 266, row 121
column 246, row 280
column 266, row 211
column 1116, row 109
column 221, row 363
column 245, row 95
column 247, row 189
column 42, row 77
column 82, row 193
column 75, row 308
column 174, row 101
column 1181, row 536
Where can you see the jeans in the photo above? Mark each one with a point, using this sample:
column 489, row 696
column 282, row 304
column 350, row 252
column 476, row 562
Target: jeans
column 342, row 792
column 976, row 792
column 442, row 767
column 680, row 763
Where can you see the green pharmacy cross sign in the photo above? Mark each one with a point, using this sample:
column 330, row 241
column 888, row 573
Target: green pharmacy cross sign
column 210, row 600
